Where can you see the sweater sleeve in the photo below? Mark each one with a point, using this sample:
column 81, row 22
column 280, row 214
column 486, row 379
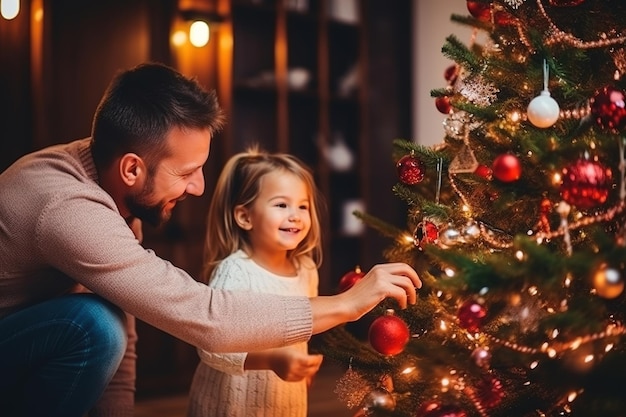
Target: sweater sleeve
column 81, row 234
column 229, row 275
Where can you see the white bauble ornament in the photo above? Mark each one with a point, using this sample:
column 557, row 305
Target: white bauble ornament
column 543, row 111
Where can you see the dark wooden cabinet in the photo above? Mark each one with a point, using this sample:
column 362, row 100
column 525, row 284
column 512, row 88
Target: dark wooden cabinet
column 298, row 86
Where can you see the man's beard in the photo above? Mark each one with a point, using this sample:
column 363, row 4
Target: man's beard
column 139, row 206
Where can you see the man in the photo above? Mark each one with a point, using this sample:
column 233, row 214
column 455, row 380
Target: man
column 70, row 220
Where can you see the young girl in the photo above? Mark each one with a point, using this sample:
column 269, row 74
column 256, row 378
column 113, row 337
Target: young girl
column 263, row 234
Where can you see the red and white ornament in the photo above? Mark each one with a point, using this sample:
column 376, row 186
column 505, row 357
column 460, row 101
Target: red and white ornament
column 507, row 168
column 410, row 169
column 426, row 232
column 586, row 184
column 389, row 334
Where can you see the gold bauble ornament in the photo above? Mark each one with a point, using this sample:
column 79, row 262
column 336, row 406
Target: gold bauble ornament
column 608, row 282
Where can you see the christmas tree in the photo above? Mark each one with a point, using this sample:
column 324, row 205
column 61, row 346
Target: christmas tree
column 516, row 225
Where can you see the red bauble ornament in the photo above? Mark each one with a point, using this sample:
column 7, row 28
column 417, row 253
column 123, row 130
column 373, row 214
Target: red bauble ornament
column 350, row 278
column 504, row 19
column 436, row 409
column 443, row 104
column 545, row 208
column 480, row 10
column 608, row 108
column 388, row 334
column 489, row 392
column 451, row 74
column 410, row 169
column 471, row 315
column 586, row 184
column 484, row 171
column 507, row 168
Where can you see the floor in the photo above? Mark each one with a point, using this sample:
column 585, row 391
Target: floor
column 323, row 401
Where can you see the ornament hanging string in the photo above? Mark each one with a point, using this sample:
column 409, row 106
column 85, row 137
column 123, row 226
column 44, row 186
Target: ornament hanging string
column 546, row 75
column 439, row 173
column 543, row 111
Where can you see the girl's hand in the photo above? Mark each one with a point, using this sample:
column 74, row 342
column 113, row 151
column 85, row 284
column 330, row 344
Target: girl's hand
column 292, row 365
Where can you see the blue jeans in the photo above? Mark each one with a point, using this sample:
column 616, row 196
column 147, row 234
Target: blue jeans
column 58, row 356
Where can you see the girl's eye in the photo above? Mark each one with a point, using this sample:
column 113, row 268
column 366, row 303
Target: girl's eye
column 304, row 207
column 281, row 205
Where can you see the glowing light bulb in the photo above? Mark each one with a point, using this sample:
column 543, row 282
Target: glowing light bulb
column 179, row 38
column 9, row 9
column 199, row 33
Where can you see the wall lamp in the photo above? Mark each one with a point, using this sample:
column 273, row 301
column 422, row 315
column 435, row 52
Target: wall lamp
column 9, row 9
column 201, row 25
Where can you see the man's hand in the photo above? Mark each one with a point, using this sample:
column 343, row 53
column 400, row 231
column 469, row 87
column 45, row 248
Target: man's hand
column 395, row 280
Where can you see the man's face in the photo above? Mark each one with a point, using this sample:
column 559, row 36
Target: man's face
column 175, row 176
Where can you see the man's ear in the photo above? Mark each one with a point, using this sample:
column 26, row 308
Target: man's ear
column 132, row 169
column 242, row 218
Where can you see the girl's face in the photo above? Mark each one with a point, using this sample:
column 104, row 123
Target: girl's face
column 280, row 217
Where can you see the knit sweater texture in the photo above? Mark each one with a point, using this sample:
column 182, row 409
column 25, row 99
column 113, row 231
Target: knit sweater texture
column 59, row 228
column 221, row 387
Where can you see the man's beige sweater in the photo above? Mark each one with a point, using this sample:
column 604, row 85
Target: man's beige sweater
column 58, row 227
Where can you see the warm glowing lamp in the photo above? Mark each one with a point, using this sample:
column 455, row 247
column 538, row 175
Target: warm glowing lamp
column 9, row 9
column 179, row 38
column 199, row 33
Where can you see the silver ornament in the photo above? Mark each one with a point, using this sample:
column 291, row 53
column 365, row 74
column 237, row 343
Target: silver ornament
column 482, row 357
column 471, row 231
column 450, row 237
column 379, row 399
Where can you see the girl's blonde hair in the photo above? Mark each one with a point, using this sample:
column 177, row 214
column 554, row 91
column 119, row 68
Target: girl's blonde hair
column 239, row 184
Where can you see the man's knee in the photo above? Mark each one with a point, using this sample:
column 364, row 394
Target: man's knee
column 103, row 325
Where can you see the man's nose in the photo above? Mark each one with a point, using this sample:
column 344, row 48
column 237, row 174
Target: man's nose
column 196, row 183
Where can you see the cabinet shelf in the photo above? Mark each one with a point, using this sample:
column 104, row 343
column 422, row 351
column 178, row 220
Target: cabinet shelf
column 296, row 87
